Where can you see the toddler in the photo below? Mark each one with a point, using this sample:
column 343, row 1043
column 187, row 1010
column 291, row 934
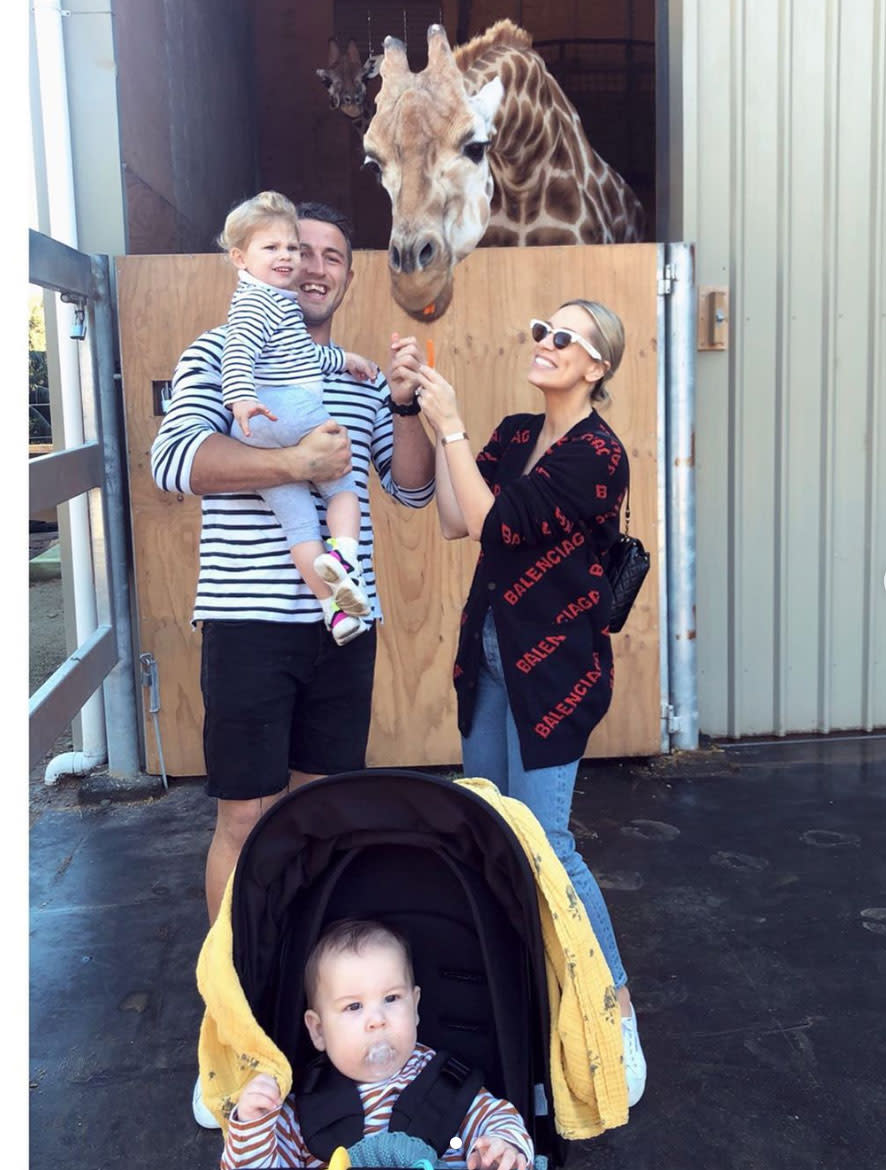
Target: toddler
column 363, row 1013
column 268, row 351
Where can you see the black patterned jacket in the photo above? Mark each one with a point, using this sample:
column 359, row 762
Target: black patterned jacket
column 540, row 570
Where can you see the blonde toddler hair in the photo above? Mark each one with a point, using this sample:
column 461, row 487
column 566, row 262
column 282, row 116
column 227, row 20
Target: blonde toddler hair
column 243, row 220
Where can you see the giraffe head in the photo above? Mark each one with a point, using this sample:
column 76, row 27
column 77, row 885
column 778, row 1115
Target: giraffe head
column 345, row 78
column 428, row 141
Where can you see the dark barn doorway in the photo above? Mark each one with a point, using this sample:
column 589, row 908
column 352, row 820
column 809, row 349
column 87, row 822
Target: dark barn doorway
column 232, row 103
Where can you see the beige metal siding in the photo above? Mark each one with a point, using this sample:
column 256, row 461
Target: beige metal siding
column 778, row 175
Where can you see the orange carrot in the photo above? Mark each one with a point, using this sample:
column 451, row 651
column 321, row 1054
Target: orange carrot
column 430, row 348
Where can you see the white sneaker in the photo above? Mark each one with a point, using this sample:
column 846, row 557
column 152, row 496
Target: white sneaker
column 199, row 1108
column 634, row 1060
column 344, row 627
column 346, row 582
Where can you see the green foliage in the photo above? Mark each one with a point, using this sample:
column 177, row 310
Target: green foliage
column 37, row 372
column 36, row 324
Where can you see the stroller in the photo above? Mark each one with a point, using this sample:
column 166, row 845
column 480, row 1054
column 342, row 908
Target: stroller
column 435, row 860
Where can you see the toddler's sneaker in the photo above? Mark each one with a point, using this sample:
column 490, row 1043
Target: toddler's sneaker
column 202, row 1114
column 344, row 627
column 635, row 1061
column 345, row 580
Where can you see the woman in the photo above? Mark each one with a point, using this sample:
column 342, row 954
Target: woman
column 533, row 670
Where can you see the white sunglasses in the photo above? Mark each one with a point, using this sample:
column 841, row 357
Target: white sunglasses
column 561, row 337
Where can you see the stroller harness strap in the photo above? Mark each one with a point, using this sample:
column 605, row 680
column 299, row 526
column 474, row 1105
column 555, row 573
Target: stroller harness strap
column 432, row 1107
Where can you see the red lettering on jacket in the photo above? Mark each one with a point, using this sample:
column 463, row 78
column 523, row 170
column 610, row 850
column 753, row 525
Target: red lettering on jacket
column 581, row 604
column 582, row 686
column 548, row 560
column 564, row 521
column 539, row 652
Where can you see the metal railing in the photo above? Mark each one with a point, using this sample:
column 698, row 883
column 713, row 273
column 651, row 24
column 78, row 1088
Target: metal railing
column 95, row 467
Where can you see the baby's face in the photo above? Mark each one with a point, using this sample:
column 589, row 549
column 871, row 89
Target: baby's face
column 365, row 1017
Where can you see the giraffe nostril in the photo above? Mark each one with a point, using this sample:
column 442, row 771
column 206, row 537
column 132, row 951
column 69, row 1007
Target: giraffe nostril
column 395, row 257
column 426, row 255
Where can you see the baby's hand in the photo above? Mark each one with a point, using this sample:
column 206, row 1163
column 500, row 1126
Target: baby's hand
column 495, row 1151
column 261, row 1096
column 246, row 408
column 360, row 367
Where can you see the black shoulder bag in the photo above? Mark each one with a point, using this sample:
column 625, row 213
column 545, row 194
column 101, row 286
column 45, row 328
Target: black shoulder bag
column 627, row 564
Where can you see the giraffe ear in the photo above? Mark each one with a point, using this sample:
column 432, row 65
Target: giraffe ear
column 334, row 53
column 487, row 100
column 371, row 67
column 352, row 52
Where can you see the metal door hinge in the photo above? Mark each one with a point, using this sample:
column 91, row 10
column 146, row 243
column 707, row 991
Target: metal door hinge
column 674, row 721
column 666, row 279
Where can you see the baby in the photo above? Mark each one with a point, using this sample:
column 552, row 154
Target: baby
column 363, row 1013
column 268, row 348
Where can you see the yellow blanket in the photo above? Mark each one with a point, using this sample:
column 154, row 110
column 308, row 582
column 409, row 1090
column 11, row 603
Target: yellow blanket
column 586, row 1063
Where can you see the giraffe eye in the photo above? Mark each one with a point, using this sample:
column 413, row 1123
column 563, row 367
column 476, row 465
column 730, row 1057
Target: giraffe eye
column 369, row 164
column 475, row 151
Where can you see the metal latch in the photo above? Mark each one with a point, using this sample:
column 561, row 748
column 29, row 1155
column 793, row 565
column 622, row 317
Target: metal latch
column 713, row 317
column 151, row 681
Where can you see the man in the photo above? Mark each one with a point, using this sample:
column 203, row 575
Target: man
column 283, row 703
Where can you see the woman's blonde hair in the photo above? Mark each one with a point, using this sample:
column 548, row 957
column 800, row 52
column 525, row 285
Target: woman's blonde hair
column 243, row 220
column 608, row 335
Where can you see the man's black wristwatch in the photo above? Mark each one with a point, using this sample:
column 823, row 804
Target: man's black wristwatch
column 401, row 408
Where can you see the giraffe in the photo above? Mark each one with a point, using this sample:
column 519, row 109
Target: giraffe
column 483, row 147
column 345, row 78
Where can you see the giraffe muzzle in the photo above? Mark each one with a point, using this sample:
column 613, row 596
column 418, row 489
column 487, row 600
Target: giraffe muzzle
column 411, row 257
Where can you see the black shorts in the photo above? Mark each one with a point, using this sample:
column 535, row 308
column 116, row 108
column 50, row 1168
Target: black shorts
column 278, row 696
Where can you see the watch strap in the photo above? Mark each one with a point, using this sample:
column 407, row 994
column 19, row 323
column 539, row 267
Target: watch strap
column 402, row 408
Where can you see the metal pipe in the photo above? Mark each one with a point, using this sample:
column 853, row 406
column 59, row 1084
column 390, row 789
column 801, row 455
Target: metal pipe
column 680, row 424
column 120, row 692
column 661, row 456
column 55, row 118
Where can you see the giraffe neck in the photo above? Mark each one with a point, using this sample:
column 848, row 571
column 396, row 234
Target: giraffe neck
column 551, row 186
column 360, row 123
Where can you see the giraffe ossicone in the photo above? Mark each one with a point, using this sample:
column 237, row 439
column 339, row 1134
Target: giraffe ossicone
column 483, row 147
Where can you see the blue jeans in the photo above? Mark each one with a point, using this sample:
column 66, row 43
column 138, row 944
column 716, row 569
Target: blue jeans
column 492, row 751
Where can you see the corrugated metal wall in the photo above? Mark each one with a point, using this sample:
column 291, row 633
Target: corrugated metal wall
column 778, row 173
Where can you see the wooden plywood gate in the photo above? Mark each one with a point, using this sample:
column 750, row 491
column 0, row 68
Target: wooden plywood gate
column 482, row 347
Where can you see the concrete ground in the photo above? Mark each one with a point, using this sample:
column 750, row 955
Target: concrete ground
column 747, row 886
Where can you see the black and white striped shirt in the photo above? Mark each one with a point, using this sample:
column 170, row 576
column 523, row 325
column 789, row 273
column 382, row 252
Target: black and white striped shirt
column 246, row 571
column 268, row 344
